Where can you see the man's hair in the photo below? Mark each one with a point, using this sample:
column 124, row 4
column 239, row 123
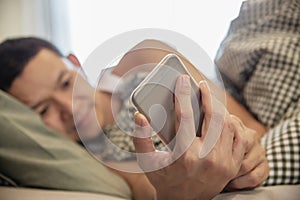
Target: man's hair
column 16, row 53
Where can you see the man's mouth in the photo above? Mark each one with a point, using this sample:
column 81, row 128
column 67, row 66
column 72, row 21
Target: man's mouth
column 83, row 120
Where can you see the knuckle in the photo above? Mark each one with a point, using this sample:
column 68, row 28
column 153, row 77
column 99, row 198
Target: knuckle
column 229, row 172
column 254, row 180
column 234, row 185
column 186, row 114
column 189, row 163
column 226, row 123
column 229, row 126
column 258, row 176
column 210, row 161
column 251, row 141
column 245, row 142
column 244, row 168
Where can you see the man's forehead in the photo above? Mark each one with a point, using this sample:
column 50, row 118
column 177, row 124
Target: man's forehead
column 39, row 77
column 42, row 69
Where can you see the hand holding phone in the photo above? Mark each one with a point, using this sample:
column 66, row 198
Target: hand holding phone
column 155, row 98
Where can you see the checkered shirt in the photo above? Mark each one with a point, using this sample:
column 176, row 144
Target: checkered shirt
column 259, row 61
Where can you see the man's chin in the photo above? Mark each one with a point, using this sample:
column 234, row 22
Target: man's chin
column 88, row 133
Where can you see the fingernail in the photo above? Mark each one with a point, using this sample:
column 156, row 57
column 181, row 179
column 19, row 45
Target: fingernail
column 202, row 82
column 185, row 80
column 139, row 119
column 142, row 130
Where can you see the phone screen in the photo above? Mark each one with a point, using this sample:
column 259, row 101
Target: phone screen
column 155, row 98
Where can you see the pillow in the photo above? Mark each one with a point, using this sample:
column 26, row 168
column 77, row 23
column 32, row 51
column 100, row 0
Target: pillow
column 33, row 155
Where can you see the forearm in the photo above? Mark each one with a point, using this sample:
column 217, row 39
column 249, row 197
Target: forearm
column 152, row 51
column 146, row 52
column 238, row 110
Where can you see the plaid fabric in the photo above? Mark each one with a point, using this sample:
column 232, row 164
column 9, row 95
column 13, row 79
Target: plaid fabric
column 259, row 61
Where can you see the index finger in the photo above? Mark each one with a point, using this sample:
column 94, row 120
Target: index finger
column 214, row 117
column 185, row 125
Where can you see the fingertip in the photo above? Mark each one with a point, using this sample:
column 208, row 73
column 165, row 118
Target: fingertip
column 183, row 85
column 140, row 119
column 205, row 97
column 142, row 127
column 204, row 88
column 202, row 83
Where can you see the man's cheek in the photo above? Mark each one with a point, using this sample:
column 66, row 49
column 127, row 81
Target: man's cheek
column 56, row 125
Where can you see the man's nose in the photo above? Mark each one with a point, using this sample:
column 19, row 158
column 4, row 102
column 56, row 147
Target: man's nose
column 64, row 102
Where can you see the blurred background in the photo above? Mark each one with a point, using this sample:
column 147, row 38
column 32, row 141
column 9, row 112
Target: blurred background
column 79, row 26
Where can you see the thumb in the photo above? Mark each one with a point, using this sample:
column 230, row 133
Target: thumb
column 142, row 134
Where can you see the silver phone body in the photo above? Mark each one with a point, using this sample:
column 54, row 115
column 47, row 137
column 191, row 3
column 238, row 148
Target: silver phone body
column 154, row 98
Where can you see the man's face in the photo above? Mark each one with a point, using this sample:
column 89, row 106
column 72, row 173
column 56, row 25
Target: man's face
column 46, row 85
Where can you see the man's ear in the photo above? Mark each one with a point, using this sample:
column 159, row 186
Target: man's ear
column 74, row 60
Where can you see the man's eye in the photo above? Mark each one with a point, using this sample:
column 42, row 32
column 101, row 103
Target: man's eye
column 66, row 81
column 66, row 84
column 44, row 111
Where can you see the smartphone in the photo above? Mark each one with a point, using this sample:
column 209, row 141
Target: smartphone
column 154, row 97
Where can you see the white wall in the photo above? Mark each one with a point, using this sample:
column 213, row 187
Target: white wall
column 91, row 22
column 94, row 21
column 42, row 18
column 10, row 18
